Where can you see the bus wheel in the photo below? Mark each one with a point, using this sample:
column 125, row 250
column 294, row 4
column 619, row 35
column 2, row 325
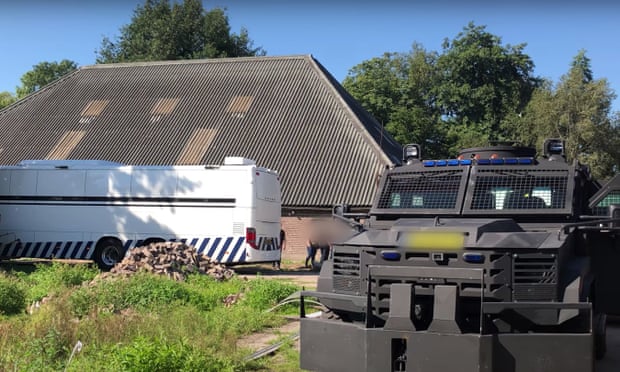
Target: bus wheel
column 108, row 252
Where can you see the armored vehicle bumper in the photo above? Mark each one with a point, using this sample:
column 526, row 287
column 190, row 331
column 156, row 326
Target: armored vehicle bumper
column 328, row 345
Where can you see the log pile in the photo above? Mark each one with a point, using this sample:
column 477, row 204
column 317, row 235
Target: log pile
column 173, row 259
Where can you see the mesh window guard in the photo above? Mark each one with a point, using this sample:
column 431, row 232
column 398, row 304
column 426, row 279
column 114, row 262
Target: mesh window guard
column 601, row 208
column 422, row 190
column 519, row 189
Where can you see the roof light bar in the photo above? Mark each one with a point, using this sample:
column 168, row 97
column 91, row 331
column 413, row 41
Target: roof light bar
column 494, row 161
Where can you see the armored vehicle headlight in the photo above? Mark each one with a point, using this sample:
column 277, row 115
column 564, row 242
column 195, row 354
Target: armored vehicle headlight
column 390, row 255
column 411, row 152
column 473, row 257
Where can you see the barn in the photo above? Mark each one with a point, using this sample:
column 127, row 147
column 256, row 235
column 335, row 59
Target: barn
column 288, row 113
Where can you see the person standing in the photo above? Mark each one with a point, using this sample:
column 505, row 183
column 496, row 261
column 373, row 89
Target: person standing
column 311, row 252
column 325, row 248
column 276, row 264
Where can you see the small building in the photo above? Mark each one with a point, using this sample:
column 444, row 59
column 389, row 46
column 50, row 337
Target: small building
column 288, row 113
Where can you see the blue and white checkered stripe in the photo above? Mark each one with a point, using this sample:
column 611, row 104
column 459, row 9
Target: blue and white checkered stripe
column 221, row 249
column 81, row 250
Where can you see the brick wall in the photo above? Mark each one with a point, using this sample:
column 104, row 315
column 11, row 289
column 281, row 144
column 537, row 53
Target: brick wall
column 297, row 230
column 297, row 233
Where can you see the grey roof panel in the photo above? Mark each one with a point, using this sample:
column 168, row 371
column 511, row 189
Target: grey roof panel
column 299, row 121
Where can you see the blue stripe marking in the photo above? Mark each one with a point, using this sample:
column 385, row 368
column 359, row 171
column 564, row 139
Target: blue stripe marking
column 203, row 245
column 86, row 252
column 25, row 250
column 216, row 242
column 78, row 245
column 15, row 249
column 7, row 249
column 63, row 252
column 194, row 242
column 90, row 246
column 36, row 248
column 242, row 259
column 235, row 250
column 2, row 249
column 223, row 251
column 46, row 247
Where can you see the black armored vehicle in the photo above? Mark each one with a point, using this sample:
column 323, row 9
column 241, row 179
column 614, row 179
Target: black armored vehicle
column 497, row 260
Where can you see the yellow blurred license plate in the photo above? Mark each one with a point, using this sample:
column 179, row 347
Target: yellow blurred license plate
column 450, row 241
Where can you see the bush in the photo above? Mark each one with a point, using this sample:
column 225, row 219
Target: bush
column 12, row 296
column 50, row 279
column 142, row 291
column 160, row 355
column 265, row 293
column 206, row 292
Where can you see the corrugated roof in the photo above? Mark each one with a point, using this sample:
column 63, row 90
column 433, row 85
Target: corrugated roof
column 287, row 113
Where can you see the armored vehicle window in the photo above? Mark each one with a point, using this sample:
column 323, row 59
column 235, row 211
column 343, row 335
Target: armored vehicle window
column 498, row 189
column 601, row 208
column 423, row 190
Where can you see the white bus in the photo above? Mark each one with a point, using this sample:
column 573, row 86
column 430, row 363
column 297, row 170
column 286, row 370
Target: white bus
column 97, row 210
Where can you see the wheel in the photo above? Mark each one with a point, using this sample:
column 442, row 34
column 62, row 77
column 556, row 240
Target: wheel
column 108, row 252
column 599, row 328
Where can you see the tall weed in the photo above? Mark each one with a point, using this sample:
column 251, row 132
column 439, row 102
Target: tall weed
column 51, row 279
column 12, row 296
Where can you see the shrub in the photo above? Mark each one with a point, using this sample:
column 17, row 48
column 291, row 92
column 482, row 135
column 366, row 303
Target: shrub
column 49, row 279
column 265, row 293
column 161, row 355
column 142, row 291
column 12, row 296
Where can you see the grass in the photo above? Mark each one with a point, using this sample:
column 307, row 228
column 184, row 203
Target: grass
column 141, row 323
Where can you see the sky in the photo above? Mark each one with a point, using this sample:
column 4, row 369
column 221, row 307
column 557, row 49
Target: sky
column 338, row 33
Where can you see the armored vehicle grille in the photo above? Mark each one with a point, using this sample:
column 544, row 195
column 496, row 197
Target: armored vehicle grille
column 534, row 277
column 346, row 271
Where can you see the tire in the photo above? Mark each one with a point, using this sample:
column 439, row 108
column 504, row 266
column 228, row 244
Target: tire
column 108, row 252
column 599, row 328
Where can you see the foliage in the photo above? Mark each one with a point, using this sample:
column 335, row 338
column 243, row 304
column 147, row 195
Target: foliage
column 576, row 110
column 482, row 82
column 265, row 293
column 12, row 296
column 397, row 89
column 48, row 279
column 42, row 74
column 142, row 291
column 158, row 354
column 460, row 98
column 163, row 31
column 143, row 322
column 6, row 99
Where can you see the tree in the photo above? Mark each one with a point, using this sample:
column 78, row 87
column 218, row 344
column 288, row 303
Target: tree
column 6, row 99
column 466, row 96
column 397, row 89
column 43, row 74
column 161, row 31
column 482, row 83
column 577, row 110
